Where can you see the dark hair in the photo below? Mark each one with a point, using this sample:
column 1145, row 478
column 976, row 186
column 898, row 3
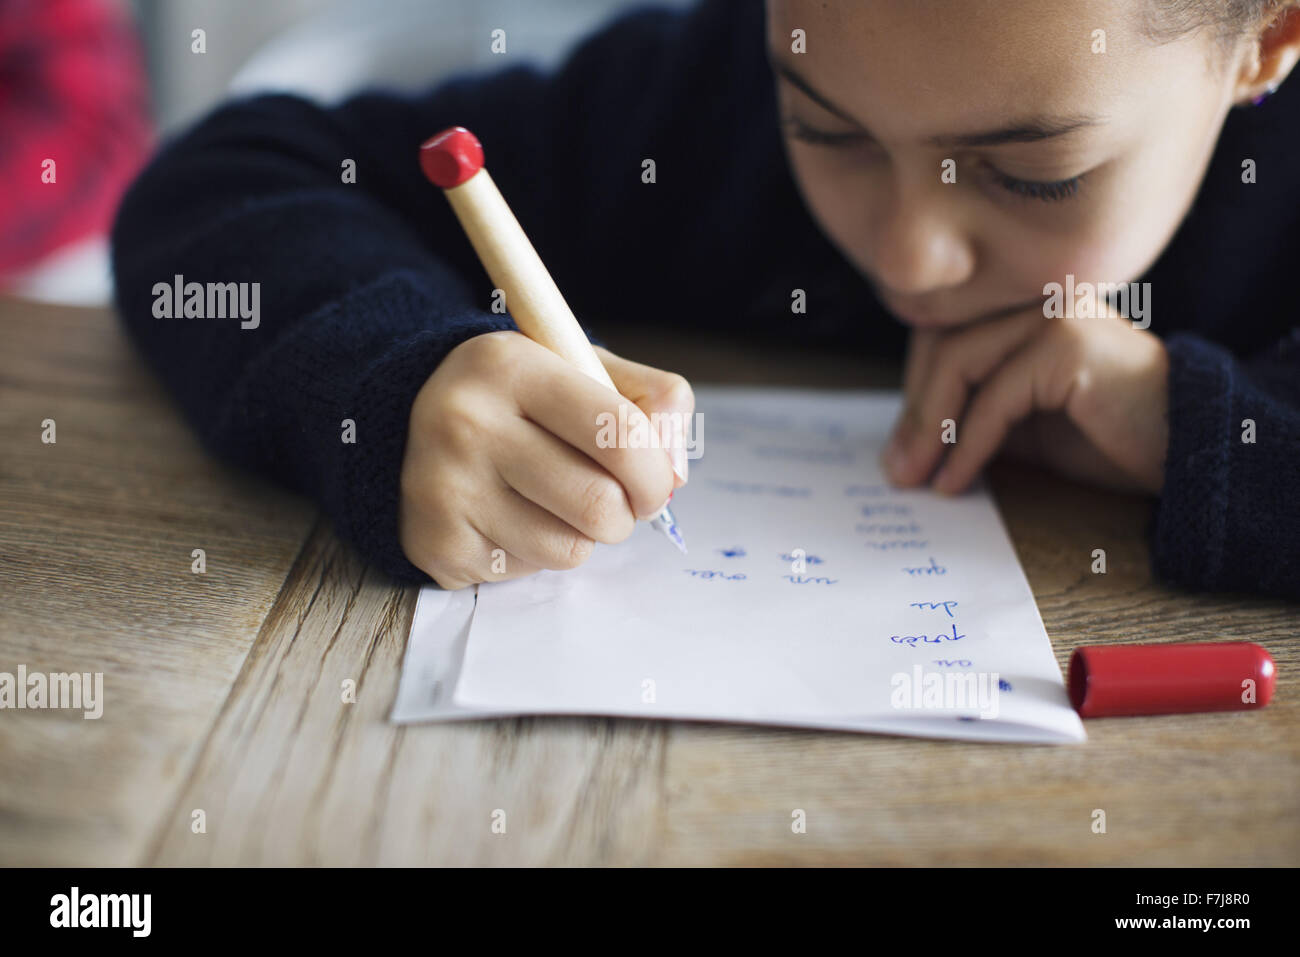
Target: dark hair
column 1167, row 20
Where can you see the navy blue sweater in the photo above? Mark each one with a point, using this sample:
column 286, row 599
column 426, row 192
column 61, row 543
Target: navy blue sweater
column 365, row 286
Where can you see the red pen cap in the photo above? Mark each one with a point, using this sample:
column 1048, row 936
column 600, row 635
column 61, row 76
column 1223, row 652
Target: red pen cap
column 1111, row 680
column 451, row 157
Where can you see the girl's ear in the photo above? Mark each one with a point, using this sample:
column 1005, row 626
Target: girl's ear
column 1272, row 54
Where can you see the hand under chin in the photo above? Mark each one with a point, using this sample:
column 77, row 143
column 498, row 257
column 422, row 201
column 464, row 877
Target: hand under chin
column 1053, row 441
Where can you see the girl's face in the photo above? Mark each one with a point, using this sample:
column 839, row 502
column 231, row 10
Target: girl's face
column 1066, row 160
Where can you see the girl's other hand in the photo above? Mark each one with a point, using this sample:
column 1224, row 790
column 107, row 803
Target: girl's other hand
column 1086, row 397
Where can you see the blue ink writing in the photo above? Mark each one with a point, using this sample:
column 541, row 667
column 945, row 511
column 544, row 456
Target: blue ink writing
column 947, row 606
column 867, row 490
column 832, row 456
column 934, row 568
column 911, row 640
column 880, row 528
column 761, row 488
column 870, row 510
column 808, row 559
column 829, row 428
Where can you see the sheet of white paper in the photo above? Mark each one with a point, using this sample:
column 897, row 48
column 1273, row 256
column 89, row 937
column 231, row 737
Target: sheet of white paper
column 814, row 595
column 434, row 652
column 436, row 648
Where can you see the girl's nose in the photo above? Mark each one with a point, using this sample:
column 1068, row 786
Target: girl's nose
column 919, row 244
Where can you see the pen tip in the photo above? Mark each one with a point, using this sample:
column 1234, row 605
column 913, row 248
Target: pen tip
column 667, row 524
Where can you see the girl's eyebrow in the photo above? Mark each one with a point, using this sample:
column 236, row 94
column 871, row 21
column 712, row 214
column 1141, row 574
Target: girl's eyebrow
column 1029, row 130
column 783, row 69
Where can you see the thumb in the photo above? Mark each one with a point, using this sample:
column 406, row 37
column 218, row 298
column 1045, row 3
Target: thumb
column 665, row 397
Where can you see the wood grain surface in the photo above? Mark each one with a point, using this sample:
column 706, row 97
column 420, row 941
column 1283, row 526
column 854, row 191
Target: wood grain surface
column 225, row 692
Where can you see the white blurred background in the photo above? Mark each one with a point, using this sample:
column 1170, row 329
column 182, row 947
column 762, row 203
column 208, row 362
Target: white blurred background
column 323, row 49
column 327, row 48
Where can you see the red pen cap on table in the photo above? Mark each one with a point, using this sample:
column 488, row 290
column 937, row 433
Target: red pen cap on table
column 1112, row 680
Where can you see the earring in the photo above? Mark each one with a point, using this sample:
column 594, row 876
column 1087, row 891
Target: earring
column 1272, row 88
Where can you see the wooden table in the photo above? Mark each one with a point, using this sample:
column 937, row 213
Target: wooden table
column 222, row 690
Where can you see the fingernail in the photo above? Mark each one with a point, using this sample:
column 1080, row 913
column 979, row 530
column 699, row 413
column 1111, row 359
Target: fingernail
column 681, row 465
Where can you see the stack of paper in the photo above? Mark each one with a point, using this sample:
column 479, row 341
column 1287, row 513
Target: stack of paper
column 814, row 594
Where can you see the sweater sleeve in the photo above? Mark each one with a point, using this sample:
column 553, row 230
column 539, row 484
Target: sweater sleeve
column 353, row 310
column 1227, row 518
column 365, row 286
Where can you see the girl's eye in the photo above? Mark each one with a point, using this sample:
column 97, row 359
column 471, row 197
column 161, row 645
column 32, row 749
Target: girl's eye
column 1029, row 189
column 1032, row 189
column 807, row 134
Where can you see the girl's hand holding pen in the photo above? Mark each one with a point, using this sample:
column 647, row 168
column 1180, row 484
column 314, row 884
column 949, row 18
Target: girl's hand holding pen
column 503, row 474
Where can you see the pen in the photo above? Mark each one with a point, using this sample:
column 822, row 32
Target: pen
column 453, row 161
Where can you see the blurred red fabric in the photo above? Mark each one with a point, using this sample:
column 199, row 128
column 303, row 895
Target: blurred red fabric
column 73, row 89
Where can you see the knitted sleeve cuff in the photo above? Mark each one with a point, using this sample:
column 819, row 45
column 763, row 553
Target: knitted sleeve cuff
column 361, row 362
column 366, row 509
column 1191, row 517
column 1227, row 518
column 330, row 402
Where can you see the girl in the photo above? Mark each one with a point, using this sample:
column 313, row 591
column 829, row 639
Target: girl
column 931, row 173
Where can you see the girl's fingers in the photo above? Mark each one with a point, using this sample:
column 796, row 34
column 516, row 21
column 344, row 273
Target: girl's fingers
column 656, row 391
column 494, row 565
column 1030, row 381
column 561, row 480
column 920, row 350
column 959, row 362
column 462, row 556
column 528, row 531
column 598, row 422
